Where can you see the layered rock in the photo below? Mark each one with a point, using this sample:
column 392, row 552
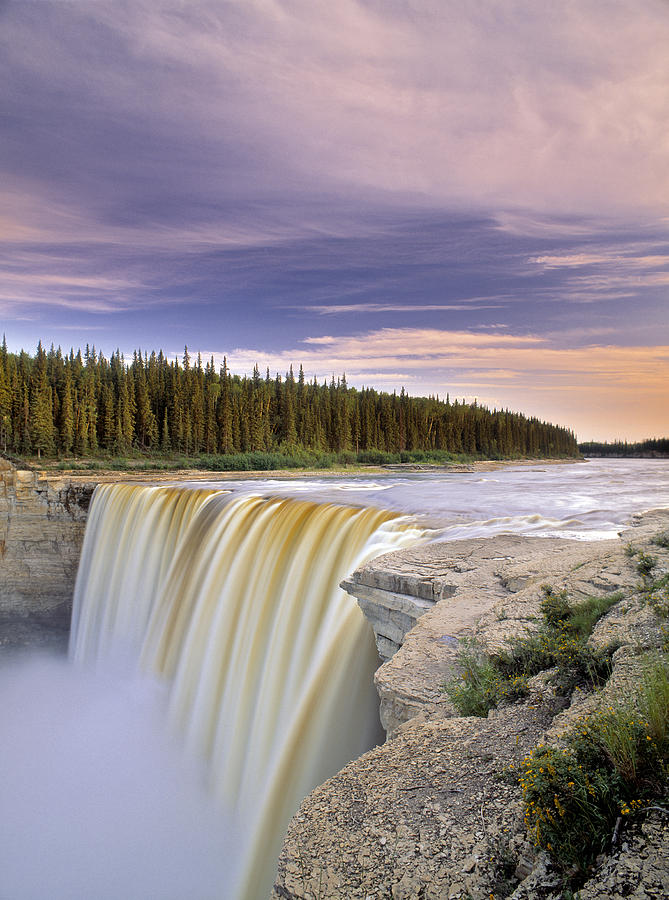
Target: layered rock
column 488, row 585
column 433, row 812
column 42, row 522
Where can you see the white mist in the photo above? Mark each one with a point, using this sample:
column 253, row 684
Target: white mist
column 98, row 799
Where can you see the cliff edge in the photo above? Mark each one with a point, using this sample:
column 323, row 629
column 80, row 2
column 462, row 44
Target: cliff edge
column 433, row 813
column 42, row 523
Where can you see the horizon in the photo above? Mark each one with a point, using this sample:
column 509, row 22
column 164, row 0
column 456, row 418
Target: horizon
column 472, row 202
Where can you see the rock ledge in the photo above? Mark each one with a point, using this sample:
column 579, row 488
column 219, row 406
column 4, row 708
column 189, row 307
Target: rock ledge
column 433, row 813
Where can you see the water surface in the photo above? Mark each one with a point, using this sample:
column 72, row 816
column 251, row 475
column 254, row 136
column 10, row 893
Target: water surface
column 590, row 500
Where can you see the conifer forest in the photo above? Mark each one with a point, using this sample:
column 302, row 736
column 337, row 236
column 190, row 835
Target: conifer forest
column 652, row 447
column 82, row 404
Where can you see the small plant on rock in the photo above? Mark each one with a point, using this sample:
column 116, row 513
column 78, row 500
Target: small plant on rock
column 489, row 681
column 612, row 765
column 658, row 597
column 645, row 564
column 661, row 540
column 481, row 685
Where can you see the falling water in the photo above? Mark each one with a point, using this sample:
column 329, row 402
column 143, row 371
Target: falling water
column 234, row 602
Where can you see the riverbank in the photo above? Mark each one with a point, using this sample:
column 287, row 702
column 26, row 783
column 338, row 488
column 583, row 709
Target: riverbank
column 434, row 812
column 262, row 465
column 98, row 471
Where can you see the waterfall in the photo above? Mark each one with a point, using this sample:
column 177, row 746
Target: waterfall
column 234, row 601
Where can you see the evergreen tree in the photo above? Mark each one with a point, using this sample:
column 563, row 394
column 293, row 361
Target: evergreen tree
column 66, row 419
column 5, row 400
column 165, row 440
column 40, row 407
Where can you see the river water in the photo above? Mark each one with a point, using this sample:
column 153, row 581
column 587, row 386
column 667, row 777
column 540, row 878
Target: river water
column 591, row 500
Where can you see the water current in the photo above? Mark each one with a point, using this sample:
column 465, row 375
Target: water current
column 590, row 500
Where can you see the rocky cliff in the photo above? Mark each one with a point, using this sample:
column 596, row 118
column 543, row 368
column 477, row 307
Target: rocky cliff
column 432, row 812
column 429, row 814
column 42, row 522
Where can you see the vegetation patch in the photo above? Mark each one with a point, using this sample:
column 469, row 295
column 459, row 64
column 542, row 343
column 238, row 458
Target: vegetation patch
column 661, row 540
column 645, row 563
column 250, row 461
column 653, row 447
column 658, row 596
column 655, row 588
column 488, row 681
column 613, row 765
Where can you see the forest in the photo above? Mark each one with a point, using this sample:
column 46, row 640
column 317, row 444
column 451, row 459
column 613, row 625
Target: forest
column 649, row 448
column 82, row 404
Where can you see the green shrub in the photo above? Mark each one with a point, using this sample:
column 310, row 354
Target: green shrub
column 346, row 458
column 576, row 664
column 481, row 685
column 645, row 564
column 658, row 597
column 614, row 763
column 653, row 702
column 377, row 458
column 489, row 681
column 568, row 808
column 475, row 691
column 584, row 616
column 661, row 540
column 255, row 461
column 555, row 606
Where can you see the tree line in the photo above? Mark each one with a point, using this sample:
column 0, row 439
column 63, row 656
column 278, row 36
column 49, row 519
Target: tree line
column 83, row 404
column 650, row 447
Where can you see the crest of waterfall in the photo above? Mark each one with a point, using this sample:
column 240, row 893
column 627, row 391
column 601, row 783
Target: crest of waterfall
column 235, row 602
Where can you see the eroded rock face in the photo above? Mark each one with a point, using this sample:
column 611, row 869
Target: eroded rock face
column 42, row 522
column 434, row 812
column 489, row 588
column 427, row 815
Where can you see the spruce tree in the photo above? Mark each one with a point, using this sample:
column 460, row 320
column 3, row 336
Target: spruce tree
column 40, row 407
column 66, row 421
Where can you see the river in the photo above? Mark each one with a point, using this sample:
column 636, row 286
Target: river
column 590, row 500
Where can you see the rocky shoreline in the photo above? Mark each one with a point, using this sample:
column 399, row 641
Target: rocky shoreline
column 433, row 813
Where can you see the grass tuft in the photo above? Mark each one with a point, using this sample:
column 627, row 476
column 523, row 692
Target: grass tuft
column 489, row 681
column 661, row 540
column 645, row 564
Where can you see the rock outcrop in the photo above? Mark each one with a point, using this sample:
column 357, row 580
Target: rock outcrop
column 42, row 522
column 489, row 586
column 433, row 812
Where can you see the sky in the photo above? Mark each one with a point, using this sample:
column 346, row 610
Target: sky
column 463, row 198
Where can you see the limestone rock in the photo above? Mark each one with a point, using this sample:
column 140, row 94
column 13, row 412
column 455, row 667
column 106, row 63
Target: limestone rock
column 42, row 522
column 427, row 815
column 433, row 813
column 487, row 588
